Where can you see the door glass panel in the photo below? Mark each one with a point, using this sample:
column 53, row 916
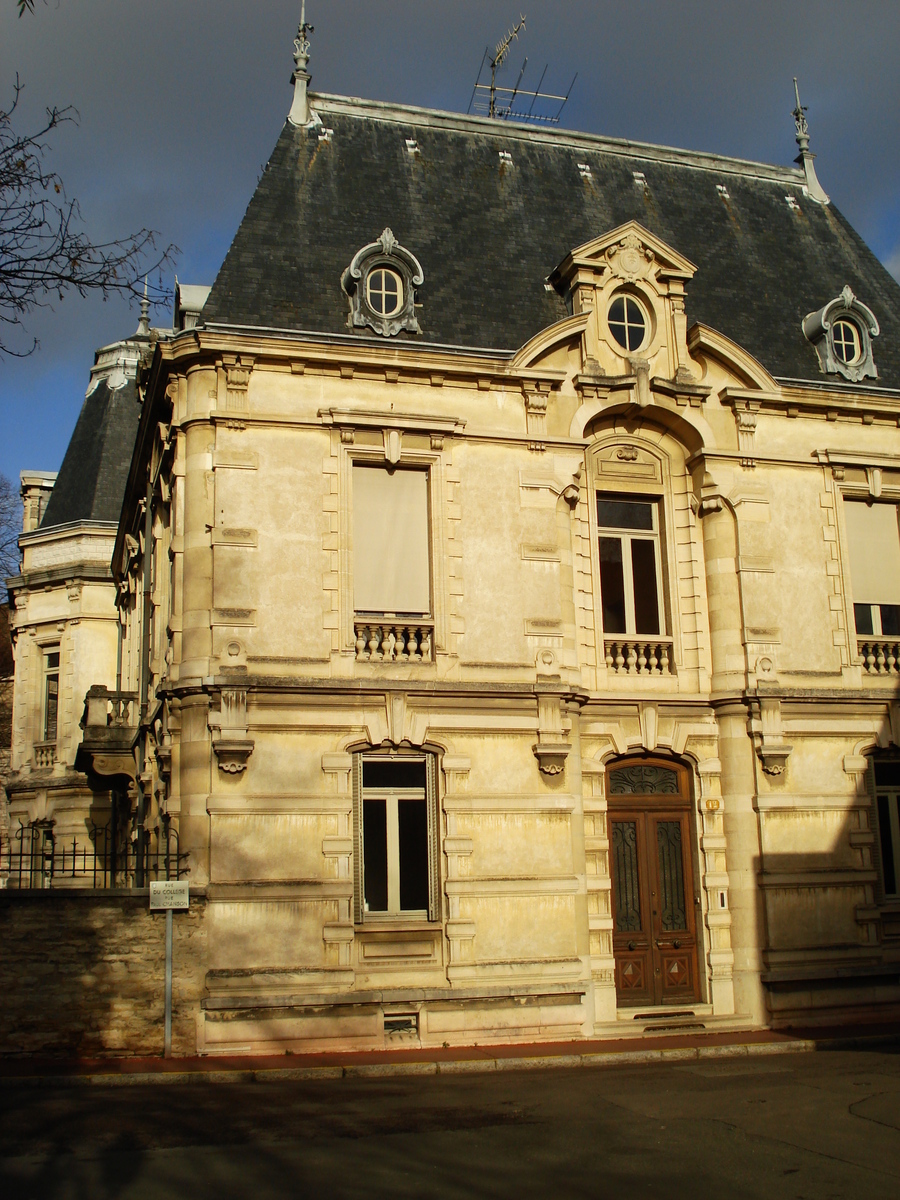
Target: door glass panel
column 625, row 876
column 375, row 841
column 646, row 600
column 671, row 875
column 643, row 780
column 612, row 585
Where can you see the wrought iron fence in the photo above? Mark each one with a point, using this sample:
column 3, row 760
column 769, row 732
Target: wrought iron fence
column 35, row 858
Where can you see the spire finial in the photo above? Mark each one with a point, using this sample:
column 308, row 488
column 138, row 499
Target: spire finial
column 805, row 157
column 143, row 329
column 299, row 114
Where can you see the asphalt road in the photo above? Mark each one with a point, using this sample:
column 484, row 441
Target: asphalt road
column 813, row 1126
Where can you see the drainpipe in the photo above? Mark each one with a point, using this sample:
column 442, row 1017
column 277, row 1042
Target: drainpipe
column 145, row 684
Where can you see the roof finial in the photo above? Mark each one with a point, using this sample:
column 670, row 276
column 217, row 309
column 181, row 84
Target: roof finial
column 805, row 157
column 143, row 329
column 299, row 114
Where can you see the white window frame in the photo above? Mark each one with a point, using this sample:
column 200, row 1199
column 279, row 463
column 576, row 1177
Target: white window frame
column 431, row 461
column 47, row 673
column 626, row 536
column 392, row 796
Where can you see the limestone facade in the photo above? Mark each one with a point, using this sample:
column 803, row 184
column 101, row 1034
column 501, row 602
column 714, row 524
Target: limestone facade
column 271, row 691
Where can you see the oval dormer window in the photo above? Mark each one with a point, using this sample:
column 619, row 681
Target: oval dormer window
column 384, row 292
column 847, row 342
column 627, row 323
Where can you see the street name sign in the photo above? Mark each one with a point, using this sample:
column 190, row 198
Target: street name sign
column 169, row 893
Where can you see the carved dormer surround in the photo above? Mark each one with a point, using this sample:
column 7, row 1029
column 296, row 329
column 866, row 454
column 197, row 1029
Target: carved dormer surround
column 630, row 261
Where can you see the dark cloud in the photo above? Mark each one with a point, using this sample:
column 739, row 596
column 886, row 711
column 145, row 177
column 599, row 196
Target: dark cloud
column 182, row 100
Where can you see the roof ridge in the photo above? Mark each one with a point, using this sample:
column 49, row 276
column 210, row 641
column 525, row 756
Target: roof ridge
column 466, row 122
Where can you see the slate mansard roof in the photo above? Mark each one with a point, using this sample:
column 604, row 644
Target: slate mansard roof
column 488, row 232
column 91, row 481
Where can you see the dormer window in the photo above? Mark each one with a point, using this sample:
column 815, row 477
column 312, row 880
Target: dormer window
column 627, row 322
column 842, row 333
column 384, row 291
column 847, row 342
column 381, row 284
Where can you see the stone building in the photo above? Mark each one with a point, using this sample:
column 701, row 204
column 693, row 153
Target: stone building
column 509, row 583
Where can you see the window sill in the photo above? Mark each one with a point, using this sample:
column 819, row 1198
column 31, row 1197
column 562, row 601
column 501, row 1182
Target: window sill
column 391, row 924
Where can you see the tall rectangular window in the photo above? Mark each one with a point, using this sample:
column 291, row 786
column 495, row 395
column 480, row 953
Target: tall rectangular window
column 391, row 559
column 873, row 537
column 630, row 567
column 395, row 838
column 887, row 811
column 51, row 694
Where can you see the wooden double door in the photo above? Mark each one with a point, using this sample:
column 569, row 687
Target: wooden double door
column 652, row 869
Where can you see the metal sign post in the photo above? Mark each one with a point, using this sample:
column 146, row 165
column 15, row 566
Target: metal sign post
column 168, row 895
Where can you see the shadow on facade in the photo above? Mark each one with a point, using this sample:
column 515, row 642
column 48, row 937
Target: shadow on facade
column 829, row 934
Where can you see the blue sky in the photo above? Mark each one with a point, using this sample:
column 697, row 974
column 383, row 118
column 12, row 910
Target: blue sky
column 181, row 101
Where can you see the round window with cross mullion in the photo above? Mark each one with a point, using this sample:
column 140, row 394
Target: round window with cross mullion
column 846, row 341
column 627, row 322
column 384, row 292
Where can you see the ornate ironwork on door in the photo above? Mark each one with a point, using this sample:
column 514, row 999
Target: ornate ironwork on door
column 625, row 870
column 643, row 779
column 671, row 875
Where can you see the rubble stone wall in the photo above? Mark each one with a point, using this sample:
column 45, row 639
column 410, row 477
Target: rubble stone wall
column 82, row 974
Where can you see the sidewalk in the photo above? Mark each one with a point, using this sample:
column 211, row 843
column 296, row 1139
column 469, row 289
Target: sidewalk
column 439, row 1061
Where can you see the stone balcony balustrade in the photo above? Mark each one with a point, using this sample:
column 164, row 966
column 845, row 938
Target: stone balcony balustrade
column 639, row 656
column 879, row 656
column 381, row 640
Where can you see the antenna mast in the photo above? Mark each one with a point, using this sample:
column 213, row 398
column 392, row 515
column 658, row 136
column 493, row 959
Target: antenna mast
column 492, row 101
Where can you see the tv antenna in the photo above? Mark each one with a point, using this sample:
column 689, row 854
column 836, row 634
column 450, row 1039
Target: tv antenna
column 489, row 100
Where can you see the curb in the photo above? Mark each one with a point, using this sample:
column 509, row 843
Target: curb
column 610, row 1058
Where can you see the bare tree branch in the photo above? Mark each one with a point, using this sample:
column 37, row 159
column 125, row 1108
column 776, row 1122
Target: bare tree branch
column 43, row 250
column 10, row 528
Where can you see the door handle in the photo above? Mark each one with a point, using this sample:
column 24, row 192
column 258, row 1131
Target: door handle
column 676, row 945
column 631, row 945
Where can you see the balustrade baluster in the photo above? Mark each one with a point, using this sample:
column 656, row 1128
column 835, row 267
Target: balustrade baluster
column 654, row 661
column 620, row 658
column 642, row 658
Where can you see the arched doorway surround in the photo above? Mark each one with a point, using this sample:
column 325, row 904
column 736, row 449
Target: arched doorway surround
column 653, row 881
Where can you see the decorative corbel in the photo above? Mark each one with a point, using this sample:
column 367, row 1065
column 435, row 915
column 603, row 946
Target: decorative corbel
column 237, row 380
column 229, row 731
column 551, row 749
column 767, row 733
column 536, row 398
column 710, row 498
column 641, row 370
column 745, row 419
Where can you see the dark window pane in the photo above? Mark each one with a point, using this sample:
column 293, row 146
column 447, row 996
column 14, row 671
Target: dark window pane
column 626, row 888
column 887, row 773
column 887, row 848
column 413, row 822
column 51, row 708
column 862, row 615
column 375, row 855
column 393, row 773
column 53, row 660
column 612, row 585
column 617, row 311
column 646, row 601
column 890, row 619
column 625, row 512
